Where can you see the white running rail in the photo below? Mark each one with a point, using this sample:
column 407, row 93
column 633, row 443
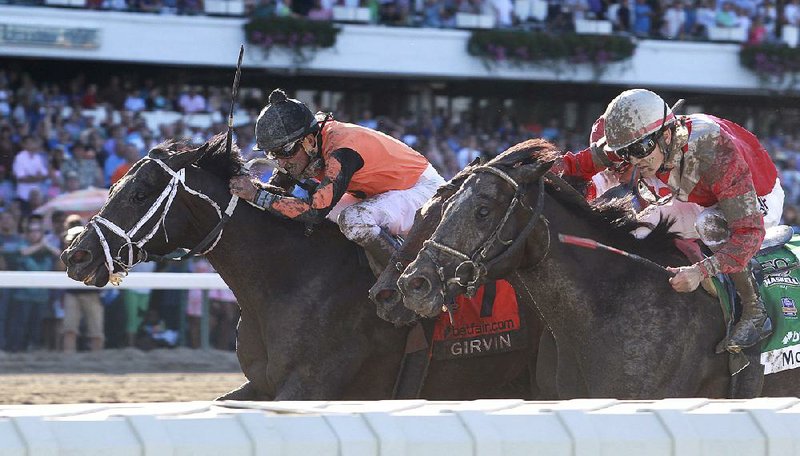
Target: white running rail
column 152, row 280
column 686, row 427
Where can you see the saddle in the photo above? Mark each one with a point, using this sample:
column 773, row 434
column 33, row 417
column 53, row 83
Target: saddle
column 775, row 239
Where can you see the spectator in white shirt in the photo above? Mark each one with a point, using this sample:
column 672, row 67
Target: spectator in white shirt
column 191, row 101
column 503, row 10
column 134, row 102
column 674, row 18
column 30, row 167
column 706, row 17
column 791, row 13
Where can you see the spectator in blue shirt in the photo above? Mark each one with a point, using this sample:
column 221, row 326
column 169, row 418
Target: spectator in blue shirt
column 642, row 13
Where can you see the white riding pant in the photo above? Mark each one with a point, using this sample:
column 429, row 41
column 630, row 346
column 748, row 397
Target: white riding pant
column 362, row 220
column 685, row 214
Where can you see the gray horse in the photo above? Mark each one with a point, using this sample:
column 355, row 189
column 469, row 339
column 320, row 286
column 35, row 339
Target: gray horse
column 616, row 319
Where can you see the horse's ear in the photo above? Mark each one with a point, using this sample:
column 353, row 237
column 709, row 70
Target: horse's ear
column 534, row 171
column 183, row 159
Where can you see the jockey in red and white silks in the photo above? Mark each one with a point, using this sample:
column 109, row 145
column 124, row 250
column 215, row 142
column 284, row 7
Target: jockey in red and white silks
column 711, row 162
column 733, row 162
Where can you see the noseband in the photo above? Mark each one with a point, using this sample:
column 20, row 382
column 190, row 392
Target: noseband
column 167, row 197
column 476, row 264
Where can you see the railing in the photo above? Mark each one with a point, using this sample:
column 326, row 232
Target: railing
column 683, row 427
column 152, row 280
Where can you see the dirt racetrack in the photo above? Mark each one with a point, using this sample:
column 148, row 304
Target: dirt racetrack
column 127, row 375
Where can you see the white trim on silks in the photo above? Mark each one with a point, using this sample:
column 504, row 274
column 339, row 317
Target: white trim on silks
column 774, row 202
column 781, row 359
column 393, row 210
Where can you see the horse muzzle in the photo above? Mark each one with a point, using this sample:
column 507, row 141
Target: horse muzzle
column 83, row 266
column 420, row 291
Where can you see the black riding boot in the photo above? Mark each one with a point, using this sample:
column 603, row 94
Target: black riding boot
column 755, row 325
column 379, row 251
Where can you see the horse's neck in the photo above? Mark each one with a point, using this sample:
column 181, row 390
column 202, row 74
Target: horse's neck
column 254, row 246
column 561, row 284
column 577, row 289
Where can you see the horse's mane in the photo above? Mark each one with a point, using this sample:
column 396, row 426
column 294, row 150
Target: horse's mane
column 528, row 151
column 618, row 219
column 455, row 182
column 216, row 161
column 615, row 217
column 169, row 147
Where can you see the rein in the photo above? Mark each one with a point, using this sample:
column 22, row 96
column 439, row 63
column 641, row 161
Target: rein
column 167, row 197
column 476, row 264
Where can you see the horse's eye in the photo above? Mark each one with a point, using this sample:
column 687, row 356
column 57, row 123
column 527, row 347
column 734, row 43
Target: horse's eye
column 139, row 196
column 483, row 211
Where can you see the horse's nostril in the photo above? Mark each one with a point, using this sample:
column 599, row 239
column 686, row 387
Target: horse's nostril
column 419, row 285
column 79, row 256
column 387, row 296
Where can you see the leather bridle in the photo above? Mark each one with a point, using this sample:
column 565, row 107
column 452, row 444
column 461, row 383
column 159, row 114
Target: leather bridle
column 475, row 265
column 165, row 199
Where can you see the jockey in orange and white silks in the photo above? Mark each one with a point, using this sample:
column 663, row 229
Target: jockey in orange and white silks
column 368, row 182
column 718, row 165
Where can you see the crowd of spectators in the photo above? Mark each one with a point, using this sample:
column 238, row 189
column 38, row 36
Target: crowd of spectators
column 58, row 138
column 661, row 19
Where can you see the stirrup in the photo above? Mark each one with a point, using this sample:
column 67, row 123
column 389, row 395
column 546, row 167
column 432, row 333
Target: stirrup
column 754, row 336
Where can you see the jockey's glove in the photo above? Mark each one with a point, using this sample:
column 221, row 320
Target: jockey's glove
column 264, row 198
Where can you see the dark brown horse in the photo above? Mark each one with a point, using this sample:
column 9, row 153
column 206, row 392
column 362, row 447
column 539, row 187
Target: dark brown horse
column 307, row 328
column 630, row 334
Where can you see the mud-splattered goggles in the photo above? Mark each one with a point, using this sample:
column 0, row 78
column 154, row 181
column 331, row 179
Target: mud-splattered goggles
column 641, row 148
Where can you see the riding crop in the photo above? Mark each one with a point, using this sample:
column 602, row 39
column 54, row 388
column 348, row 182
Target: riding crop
column 594, row 245
column 234, row 96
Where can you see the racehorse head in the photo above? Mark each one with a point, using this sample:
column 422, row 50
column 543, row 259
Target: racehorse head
column 484, row 229
column 385, row 293
column 149, row 211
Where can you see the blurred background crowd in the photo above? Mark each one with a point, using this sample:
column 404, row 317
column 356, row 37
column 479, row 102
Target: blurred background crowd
column 660, row 19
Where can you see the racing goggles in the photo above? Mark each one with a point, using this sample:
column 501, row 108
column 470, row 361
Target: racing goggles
column 641, row 148
column 287, row 151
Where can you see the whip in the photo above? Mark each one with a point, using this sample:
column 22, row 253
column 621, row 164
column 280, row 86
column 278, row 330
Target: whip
column 594, row 245
column 234, row 96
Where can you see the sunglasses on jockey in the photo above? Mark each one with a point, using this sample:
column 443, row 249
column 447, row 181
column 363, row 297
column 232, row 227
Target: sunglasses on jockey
column 287, row 151
column 645, row 146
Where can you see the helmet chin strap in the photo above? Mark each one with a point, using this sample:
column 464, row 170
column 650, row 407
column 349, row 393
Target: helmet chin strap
column 315, row 162
column 666, row 149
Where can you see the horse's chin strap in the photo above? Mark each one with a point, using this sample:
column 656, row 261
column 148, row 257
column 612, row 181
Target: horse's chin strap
column 476, row 263
column 167, row 197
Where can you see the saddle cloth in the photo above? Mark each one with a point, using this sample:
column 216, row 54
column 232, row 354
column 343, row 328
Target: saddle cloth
column 485, row 324
column 777, row 271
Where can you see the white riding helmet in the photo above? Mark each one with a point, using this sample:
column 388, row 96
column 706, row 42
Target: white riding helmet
column 633, row 115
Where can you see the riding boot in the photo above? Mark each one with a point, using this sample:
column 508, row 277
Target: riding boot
column 379, row 250
column 754, row 325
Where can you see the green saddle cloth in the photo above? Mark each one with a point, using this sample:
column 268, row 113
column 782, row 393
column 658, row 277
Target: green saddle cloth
column 781, row 294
